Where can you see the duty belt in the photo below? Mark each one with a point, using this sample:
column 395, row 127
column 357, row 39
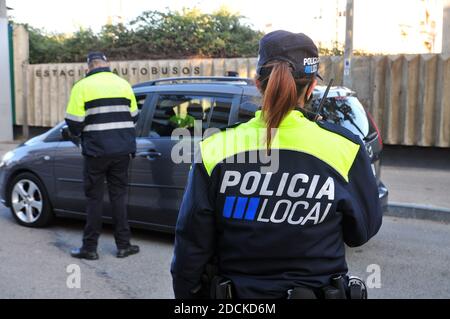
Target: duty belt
column 340, row 288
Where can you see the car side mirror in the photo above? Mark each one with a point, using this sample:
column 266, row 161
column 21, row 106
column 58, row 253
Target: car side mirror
column 65, row 133
column 67, row 136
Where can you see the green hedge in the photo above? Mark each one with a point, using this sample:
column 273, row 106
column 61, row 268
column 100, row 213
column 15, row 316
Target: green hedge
column 153, row 35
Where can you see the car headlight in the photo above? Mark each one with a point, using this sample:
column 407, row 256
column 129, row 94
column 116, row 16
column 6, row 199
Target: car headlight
column 6, row 158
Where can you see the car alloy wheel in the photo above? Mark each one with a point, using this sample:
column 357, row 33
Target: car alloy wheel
column 27, row 201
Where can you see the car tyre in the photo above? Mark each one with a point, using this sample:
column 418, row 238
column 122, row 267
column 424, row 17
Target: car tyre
column 29, row 201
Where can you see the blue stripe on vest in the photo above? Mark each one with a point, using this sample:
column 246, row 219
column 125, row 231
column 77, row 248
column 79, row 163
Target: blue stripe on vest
column 251, row 209
column 240, row 208
column 228, row 207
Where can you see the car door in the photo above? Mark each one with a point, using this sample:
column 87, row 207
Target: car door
column 157, row 178
column 68, row 168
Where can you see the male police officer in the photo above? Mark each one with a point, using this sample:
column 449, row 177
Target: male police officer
column 102, row 111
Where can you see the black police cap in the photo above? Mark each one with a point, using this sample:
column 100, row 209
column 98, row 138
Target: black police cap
column 295, row 48
column 96, row 56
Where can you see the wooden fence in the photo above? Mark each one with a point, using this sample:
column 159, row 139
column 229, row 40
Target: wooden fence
column 408, row 95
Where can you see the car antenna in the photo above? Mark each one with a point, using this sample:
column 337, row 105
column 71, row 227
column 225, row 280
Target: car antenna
column 322, row 102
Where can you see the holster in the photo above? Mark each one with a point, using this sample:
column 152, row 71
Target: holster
column 337, row 288
column 213, row 286
column 204, row 289
column 221, row 288
column 301, row 293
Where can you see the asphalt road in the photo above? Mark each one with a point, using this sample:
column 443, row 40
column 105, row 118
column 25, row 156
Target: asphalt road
column 413, row 257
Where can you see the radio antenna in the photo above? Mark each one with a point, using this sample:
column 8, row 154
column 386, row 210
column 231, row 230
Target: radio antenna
column 322, row 102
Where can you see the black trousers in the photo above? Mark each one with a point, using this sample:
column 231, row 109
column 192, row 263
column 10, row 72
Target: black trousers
column 115, row 171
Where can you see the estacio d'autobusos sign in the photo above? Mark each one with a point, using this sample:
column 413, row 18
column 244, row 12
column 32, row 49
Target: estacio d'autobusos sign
column 124, row 71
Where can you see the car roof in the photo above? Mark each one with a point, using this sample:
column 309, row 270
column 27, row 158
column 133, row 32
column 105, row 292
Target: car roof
column 221, row 85
column 335, row 91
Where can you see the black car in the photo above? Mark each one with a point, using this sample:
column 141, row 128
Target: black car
column 43, row 177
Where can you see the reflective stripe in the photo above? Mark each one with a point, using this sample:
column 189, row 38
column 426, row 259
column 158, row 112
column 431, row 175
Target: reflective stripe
column 105, row 101
column 74, row 118
column 135, row 113
column 107, row 109
column 108, row 126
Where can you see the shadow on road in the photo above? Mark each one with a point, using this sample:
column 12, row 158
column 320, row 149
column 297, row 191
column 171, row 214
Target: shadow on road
column 137, row 233
column 416, row 157
column 77, row 225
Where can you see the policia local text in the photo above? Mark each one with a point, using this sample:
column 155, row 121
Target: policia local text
column 291, row 189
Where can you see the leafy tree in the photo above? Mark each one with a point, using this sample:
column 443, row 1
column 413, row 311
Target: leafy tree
column 153, row 35
column 44, row 47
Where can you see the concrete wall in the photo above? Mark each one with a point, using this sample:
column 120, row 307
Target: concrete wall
column 408, row 95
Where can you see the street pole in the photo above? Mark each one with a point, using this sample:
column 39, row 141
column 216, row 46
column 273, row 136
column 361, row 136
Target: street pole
column 446, row 28
column 348, row 51
column 6, row 125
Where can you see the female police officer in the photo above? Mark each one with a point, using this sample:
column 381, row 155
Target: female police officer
column 272, row 228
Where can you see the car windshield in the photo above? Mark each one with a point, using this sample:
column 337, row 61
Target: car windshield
column 345, row 111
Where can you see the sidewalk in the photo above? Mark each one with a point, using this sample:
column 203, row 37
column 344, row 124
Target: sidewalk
column 5, row 147
column 415, row 175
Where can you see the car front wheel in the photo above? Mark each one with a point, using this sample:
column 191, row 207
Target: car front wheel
column 30, row 205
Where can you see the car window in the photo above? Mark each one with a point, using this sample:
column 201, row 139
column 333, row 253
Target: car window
column 140, row 99
column 249, row 105
column 174, row 111
column 144, row 106
column 219, row 114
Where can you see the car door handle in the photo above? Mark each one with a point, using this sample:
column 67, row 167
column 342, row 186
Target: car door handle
column 150, row 155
